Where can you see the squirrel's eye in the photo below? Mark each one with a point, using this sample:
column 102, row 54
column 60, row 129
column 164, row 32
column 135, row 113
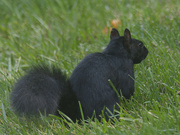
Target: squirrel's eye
column 140, row 45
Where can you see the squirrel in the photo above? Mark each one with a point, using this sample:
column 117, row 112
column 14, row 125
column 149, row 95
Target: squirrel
column 46, row 90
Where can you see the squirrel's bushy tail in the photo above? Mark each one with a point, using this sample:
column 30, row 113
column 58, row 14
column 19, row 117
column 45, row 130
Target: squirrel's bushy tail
column 44, row 90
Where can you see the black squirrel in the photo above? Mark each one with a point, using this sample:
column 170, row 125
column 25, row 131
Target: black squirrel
column 47, row 90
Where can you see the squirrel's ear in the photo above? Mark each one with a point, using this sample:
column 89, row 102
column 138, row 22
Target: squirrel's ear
column 127, row 35
column 127, row 39
column 114, row 33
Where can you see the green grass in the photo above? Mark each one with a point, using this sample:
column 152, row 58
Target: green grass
column 62, row 32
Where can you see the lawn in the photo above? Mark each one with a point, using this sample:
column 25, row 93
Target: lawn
column 63, row 32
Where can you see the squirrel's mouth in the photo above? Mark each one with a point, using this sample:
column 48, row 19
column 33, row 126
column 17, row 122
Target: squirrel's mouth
column 146, row 53
column 141, row 57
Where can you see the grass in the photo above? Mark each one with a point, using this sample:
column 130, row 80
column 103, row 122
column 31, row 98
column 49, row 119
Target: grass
column 63, row 32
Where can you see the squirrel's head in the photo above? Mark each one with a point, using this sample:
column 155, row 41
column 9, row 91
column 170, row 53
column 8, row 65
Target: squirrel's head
column 134, row 47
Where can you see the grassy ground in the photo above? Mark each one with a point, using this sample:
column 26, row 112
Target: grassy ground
column 63, row 32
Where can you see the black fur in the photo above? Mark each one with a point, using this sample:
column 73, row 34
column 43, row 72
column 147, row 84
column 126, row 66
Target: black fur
column 45, row 90
column 89, row 80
